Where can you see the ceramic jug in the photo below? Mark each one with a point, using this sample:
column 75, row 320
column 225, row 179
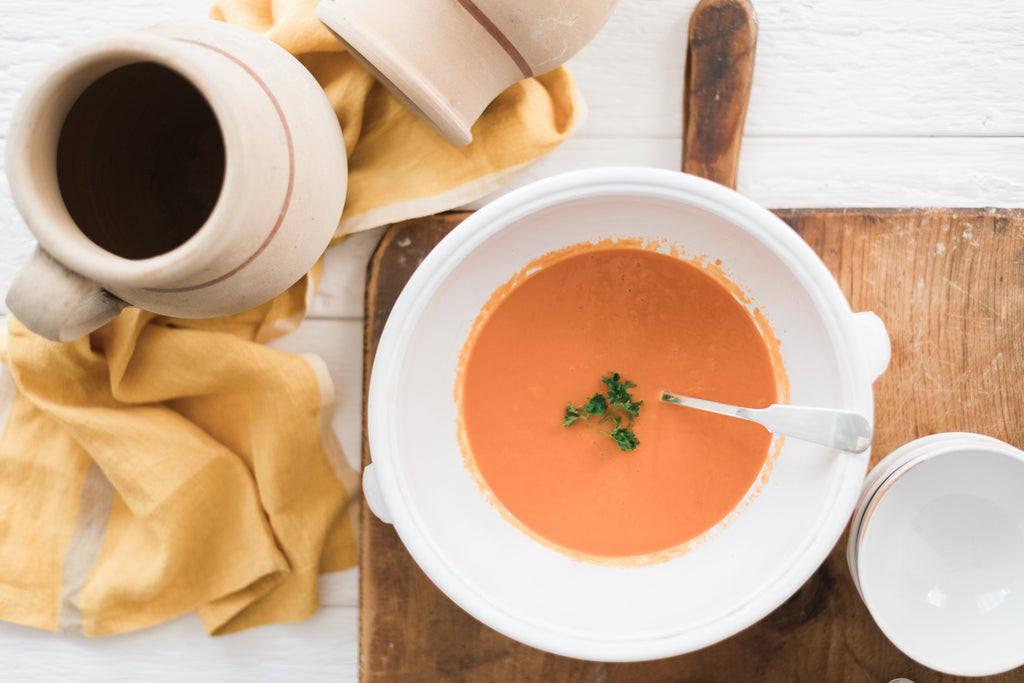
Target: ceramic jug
column 447, row 59
column 192, row 168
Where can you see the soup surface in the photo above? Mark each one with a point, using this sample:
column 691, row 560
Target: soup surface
column 548, row 337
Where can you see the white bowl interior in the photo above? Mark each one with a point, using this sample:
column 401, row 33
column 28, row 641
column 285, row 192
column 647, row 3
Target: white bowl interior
column 537, row 594
column 941, row 559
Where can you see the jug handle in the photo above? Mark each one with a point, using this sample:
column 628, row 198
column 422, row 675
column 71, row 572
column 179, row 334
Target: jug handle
column 57, row 303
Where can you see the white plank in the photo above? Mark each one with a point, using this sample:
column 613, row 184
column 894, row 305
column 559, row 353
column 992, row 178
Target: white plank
column 869, row 171
column 888, row 67
column 801, row 172
column 341, row 290
column 322, row 648
column 340, row 589
column 823, row 68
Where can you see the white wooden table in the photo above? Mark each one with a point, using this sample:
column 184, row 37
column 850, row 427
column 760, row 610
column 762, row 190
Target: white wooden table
column 868, row 103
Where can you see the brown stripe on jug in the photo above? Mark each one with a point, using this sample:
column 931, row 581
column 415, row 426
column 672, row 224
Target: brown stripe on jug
column 498, row 36
column 288, row 192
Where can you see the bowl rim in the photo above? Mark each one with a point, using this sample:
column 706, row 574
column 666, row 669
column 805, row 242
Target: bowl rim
column 887, row 471
column 507, row 209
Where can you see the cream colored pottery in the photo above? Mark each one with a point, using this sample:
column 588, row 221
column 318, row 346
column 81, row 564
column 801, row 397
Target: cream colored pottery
column 447, row 59
column 193, row 168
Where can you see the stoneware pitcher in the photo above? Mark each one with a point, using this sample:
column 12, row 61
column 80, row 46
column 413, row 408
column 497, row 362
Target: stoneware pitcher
column 193, row 168
column 447, row 59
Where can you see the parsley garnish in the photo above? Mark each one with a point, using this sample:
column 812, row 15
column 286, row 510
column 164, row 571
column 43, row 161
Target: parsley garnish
column 625, row 438
column 616, row 405
column 596, row 405
column 571, row 415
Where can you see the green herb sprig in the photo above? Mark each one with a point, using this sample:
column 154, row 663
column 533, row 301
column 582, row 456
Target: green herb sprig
column 615, row 405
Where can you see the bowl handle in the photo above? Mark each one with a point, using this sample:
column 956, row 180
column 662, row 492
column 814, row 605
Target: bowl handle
column 873, row 340
column 372, row 494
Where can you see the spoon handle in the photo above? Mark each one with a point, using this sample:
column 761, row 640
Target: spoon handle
column 844, row 430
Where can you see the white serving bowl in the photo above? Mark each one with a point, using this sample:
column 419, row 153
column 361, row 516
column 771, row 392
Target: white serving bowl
column 880, row 477
column 744, row 568
column 937, row 552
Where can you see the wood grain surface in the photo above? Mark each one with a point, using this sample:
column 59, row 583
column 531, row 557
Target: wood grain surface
column 719, row 74
column 949, row 285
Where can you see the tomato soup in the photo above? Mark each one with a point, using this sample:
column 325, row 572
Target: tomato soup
column 548, row 337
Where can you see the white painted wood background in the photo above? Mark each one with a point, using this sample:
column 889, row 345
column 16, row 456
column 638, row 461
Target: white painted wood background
column 867, row 103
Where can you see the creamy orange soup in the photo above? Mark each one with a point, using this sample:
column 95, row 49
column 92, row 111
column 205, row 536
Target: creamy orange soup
column 549, row 336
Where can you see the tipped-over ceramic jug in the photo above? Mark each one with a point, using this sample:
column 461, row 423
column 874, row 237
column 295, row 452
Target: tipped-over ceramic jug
column 193, row 168
column 447, row 59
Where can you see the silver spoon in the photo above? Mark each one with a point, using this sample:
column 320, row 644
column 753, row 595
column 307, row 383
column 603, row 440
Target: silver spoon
column 845, row 430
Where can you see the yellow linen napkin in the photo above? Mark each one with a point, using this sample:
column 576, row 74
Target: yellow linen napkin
column 159, row 465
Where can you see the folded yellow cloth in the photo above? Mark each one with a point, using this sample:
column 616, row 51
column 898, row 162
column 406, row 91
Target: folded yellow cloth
column 158, row 465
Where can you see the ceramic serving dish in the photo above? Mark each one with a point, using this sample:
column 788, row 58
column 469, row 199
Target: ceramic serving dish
column 936, row 550
column 726, row 580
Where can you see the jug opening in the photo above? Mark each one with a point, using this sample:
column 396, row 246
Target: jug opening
column 140, row 160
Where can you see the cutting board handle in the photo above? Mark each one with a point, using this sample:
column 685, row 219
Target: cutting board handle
column 719, row 73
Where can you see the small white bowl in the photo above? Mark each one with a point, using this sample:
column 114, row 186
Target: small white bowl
column 879, row 479
column 937, row 552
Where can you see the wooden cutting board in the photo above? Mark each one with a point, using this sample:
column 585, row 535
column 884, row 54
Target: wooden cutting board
column 949, row 284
